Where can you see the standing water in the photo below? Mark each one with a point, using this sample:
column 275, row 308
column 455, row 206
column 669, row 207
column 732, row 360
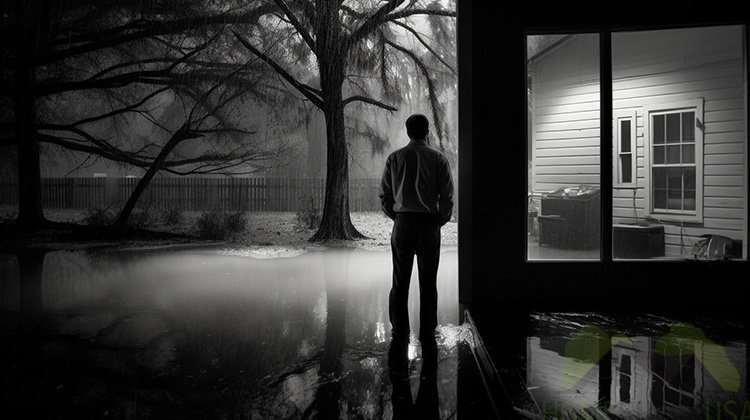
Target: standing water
column 190, row 334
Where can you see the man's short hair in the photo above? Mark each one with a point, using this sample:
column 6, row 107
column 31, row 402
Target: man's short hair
column 417, row 126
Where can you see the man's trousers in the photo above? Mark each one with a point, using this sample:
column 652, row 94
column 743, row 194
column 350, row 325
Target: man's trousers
column 414, row 234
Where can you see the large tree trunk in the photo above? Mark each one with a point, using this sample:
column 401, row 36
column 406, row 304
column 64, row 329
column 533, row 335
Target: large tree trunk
column 27, row 29
column 336, row 222
column 30, row 214
column 316, row 137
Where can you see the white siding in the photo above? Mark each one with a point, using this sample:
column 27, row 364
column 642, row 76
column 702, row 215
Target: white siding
column 675, row 66
column 566, row 116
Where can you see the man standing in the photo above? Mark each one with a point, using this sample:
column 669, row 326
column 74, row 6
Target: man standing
column 416, row 191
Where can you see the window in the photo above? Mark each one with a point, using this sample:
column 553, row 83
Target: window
column 625, row 152
column 675, row 181
column 625, row 384
column 678, row 149
column 564, row 146
column 673, row 380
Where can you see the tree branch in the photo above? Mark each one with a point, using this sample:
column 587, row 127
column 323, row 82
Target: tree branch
column 310, row 93
column 368, row 100
column 128, row 108
column 141, row 29
column 80, row 147
column 432, row 93
column 161, row 76
column 374, row 21
column 381, row 18
column 413, row 12
column 427, row 46
column 207, row 163
column 297, row 24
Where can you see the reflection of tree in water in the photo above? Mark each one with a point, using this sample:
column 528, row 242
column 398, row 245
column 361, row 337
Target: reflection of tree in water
column 92, row 348
column 348, row 376
column 30, row 268
column 336, row 273
column 128, row 341
column 341, row 378
column 63, row 368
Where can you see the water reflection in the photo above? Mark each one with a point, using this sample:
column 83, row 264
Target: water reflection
column 203, row 335
column 665, row 369
column 427, row 404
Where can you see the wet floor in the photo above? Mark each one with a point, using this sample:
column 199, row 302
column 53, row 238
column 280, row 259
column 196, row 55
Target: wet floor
column 641, row 365
column 188, row 334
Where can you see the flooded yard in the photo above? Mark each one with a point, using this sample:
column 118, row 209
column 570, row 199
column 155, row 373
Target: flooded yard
column 201, row 334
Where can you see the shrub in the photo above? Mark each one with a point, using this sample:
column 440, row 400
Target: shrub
column 99, row 216
column 235, row 222
column 172, row 217
column 139, row 218
column 308, row 214
column 220, row 224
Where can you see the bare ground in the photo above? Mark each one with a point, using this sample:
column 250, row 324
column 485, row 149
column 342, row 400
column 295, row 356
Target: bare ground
column 266, row 234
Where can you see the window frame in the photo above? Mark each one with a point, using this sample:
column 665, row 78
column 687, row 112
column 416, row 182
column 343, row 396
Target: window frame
column 660, row 378
column 618, row 117
column 665, row 108
column 493, row 269
column 630, row 374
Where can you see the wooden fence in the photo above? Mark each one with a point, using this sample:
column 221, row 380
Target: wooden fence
column 195, row 194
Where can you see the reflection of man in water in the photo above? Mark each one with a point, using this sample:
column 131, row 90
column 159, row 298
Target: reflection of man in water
column 416, row 191
column 427, row 404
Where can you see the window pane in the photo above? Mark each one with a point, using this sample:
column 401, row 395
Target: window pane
column 659, row 129
column 660, row 178
column 673, row 154
column 626, row 167
column 689, row 200
column 674, row 200
column 688, row 126
column 673, row 128
column 625, row 372
column 564, row 148
column 671, row 396
column 675, row 188
column 674, row 179
column 659, row 155
column 689, row 179
column 660, row 198
column 689, row 183
column 688, row 153
column 625, row 136
column 687, row 376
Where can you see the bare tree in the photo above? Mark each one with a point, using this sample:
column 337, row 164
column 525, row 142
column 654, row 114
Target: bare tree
column 225, row 147
column 55, row 49
column 335, row 38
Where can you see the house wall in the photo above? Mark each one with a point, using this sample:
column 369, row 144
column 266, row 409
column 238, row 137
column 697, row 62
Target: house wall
column 561, row 384
column 565, row 117
column 678, row 65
